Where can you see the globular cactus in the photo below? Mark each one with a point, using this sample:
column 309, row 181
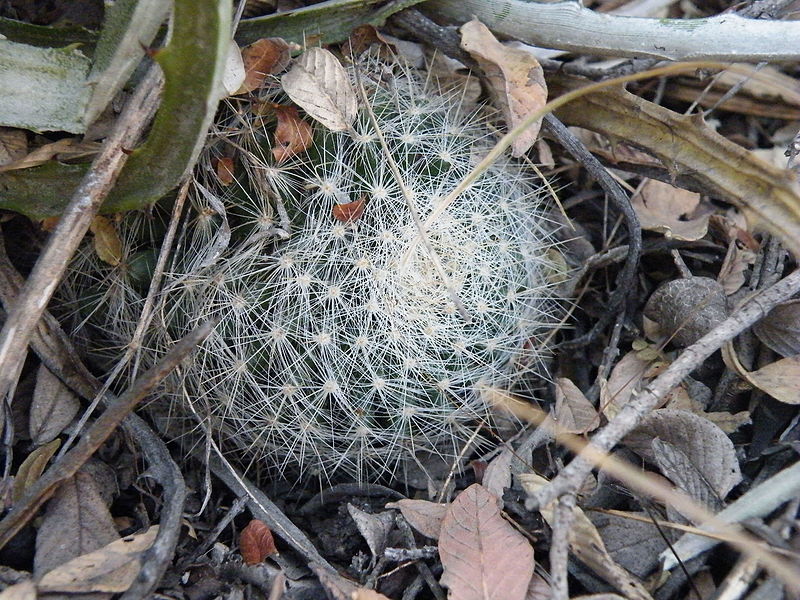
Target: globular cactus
column 344, row 345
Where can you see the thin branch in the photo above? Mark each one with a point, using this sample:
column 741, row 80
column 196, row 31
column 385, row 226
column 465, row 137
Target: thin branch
column 569, row 26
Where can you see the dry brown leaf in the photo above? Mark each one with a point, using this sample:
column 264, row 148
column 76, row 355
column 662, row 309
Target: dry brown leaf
column 110, row 569
column 625, row 379
column 515, row 76
column 106, row 240
column 293, row 135
column 732, row 272
column 587, row 545
column 669, row 210
column 538, row 589
column 351, row 211
column 426, row 517
column 497, row 476
column 364, row 36
column 13, row 144
column 53, row 407
column 256, row 542
column 632, row 543
column 574, row 413
column 76, row 521
column 679, row 399
column 780, row 329
column 375, row 528
column 707, row 447
column 676, row 466
column 41, row 155
column 32, row 468
column 24, row 590
column 225, row 170
column 263, row 57
column 483, row 556
column 318, row 83
column 780, row 379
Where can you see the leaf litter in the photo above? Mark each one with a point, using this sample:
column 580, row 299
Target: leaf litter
column 480, row 542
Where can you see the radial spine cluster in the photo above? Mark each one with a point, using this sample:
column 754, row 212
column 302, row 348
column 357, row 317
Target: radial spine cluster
column 340, row 348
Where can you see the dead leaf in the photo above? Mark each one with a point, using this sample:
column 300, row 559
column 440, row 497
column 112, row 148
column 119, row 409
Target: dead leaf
column 76, row 521
column 483, row 556
column 498, row 474
column 365, row 594
column 669, row 210
column 318, row 83
column 13, row 145
column 676, row 466
column 426, row 517
column 707, row 447
column 587, row 545
column 780, row 379
column 110, row 569
column 633, row 544
column 53, row 407
column 24, row 590
column 41, row 155
column 516, row 78
column 374, row 527
column 780, row 329
column 266, row 56
column 351, row 211
column 364, row 36
column 106, row 240
column 256, row 542
column 574, row 413
column 338, row 587
column 732, row 272
column 538, row 589
column 225, row 170
column 680, row 399
column 292, row 135
column 32, row 468
column 625, row 379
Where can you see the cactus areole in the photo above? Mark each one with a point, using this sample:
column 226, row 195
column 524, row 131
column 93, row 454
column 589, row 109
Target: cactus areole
column 344, row 345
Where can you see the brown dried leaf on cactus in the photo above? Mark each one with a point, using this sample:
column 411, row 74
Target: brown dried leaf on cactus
column 483, row 556
column 256, row 542
column 293, row 135
column 351, row 211
column 264, row 57
column 106, row 241
column 318, row 83
column 225, row 170
column 515, row 76
column 670, row 210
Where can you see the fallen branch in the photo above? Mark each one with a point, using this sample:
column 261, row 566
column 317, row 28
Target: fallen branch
column 569, row 26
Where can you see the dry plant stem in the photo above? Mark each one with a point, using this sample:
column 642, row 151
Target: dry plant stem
column 234, row 511
column 263, row 508
column 572, row 476
column 72, row 226
column 570, row 26
column 563, row 517
column 55, row 350
column 424, row 569
column 93, row 438
column 625, row 284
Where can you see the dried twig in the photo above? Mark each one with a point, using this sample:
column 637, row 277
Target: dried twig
column 572, row 476
column 563, row 518
column 64, row 468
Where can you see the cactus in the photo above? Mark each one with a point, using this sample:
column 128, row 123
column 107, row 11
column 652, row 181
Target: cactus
column 338, row 349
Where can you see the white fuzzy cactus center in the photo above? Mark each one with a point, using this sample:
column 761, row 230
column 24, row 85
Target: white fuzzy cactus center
column 342, row 349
